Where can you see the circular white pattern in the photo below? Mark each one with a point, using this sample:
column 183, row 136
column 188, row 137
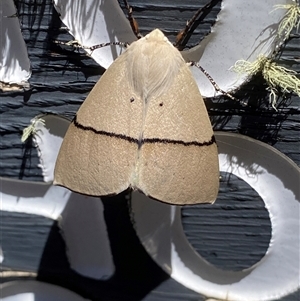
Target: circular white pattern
column 276, row 179
column 36, row 291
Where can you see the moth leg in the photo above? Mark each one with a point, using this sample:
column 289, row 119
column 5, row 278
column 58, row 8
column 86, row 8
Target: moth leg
column 133, row 23
column 184, row 35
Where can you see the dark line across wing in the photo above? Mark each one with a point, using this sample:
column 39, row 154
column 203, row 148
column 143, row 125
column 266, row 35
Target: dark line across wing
column 147, row 140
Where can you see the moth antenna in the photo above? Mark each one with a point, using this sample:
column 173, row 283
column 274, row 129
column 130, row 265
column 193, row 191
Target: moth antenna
column 92, row 48
column 73, row 43
column 184, row 35
column 217, row 88
column 76, row 44
column 133, row 23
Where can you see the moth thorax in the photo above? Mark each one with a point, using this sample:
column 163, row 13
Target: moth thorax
column 149, row 74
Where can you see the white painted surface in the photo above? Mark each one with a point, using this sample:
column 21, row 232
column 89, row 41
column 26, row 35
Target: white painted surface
column 14, row 61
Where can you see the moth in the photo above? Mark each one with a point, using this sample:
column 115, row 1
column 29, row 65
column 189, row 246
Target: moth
column 143, row 126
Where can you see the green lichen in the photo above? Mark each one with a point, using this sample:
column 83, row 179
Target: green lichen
column 290, row 20
column 31, row 129
column 275, row 76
